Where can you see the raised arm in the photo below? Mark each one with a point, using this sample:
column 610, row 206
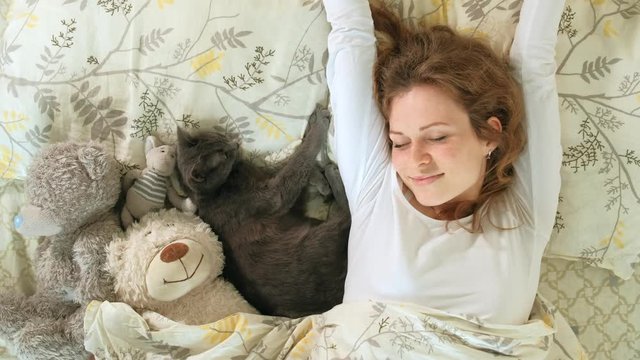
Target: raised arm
column 359, row 143
column 533, row 56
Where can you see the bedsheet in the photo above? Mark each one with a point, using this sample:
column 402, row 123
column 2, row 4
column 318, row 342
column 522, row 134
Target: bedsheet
column 371, row 330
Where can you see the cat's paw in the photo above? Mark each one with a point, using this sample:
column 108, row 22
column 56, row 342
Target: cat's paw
column 320, row 118
column 188, row 206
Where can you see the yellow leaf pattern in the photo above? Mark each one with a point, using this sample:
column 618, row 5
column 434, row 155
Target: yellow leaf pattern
column 617, row 238
column 207, row 63
column 93, row 305
column 12, row 120
column 273, row 128
column 434, row 18
column 597, row 2
column 609, row 30
column 222, row 329
column 8, row 162
column 469, row 31
column 32, row 20
column 162, row 3
column 303, row 340
column 438, row 16
column 548, row 320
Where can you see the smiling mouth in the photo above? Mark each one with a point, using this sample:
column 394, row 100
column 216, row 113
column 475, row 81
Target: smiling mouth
column 188, row 276
column 425, row 180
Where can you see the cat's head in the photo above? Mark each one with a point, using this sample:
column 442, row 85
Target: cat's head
column 205, row 159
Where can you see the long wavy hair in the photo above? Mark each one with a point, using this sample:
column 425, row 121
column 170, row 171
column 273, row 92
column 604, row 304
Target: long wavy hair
column 472, row 74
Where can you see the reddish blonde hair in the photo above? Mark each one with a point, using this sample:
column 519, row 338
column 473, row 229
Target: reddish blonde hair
column 472, row 74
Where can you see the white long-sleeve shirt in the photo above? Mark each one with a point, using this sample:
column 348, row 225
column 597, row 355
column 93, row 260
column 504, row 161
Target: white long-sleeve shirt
column 398, row 254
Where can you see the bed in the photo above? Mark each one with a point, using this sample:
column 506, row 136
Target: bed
column 116, row 71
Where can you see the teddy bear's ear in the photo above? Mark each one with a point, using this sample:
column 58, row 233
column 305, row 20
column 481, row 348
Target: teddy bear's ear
column 150, row 143
column 94, row 159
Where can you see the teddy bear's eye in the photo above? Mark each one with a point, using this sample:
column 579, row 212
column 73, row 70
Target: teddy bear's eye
column 148, row 233
column 171, row 224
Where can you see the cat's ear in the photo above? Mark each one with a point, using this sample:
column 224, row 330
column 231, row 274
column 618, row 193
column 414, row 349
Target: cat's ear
column 235, row 144
column 184, row 139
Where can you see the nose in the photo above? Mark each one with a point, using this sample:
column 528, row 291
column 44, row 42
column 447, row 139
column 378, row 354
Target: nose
column 420, row 154
column 174, row 252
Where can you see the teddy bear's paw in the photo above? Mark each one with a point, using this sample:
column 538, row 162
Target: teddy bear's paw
column 48, row 339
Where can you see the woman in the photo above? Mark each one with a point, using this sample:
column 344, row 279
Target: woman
column 450, row 208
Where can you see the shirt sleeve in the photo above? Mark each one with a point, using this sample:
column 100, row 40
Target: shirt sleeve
column 533, row 57
column 359, row 143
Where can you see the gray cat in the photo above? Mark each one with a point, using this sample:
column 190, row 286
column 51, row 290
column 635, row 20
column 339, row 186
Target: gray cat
column 282, row 262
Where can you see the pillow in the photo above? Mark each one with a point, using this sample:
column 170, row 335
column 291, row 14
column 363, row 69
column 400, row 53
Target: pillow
column 116, row 71
column 598, row 79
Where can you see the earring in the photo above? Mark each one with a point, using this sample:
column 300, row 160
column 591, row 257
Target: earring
column 489, row 154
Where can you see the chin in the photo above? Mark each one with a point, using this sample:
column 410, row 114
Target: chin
column 429, row 200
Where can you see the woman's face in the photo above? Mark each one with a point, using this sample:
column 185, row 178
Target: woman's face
column 434, row 150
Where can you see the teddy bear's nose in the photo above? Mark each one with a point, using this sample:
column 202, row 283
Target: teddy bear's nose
column 174, row 252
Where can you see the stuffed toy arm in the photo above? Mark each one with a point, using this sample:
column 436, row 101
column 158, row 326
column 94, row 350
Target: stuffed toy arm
column 130, row 177
column 95, row 283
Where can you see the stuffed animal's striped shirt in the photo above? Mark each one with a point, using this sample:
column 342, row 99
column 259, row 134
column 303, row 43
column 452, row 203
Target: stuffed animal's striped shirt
column 152, row 186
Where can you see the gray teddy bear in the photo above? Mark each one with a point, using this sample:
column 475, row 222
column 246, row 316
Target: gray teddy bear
column 72, row 190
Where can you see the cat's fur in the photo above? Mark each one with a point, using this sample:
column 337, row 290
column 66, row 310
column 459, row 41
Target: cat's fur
column 282, row 262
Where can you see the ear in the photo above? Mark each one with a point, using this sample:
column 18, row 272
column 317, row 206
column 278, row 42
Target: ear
column 150, row 143
column 495, row 123
column 496, row 126
column 94, row 159
column 184, row 138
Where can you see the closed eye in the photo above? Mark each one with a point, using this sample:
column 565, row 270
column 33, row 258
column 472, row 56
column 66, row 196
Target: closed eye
column 439, row 139
column 197, row 177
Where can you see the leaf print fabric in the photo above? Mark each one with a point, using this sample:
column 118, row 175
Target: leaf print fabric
column 370, row 330
column 598, row 78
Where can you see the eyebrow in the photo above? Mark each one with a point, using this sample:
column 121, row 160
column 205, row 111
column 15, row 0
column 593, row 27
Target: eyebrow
column 422, row 128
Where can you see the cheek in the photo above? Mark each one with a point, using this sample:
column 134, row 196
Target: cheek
column 446, row 152
column 399, row 159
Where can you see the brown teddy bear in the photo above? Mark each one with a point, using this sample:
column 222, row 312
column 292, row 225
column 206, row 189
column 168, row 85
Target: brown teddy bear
column 72, row 190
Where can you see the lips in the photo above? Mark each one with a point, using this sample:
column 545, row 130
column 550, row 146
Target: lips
column 425, row 180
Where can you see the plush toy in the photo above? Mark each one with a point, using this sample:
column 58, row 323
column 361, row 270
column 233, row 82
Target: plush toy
column 170, row 263
column 71, row 189
column 151, row 186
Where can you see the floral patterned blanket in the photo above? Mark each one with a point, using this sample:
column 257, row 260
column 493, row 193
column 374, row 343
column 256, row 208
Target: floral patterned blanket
column 370, row 330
